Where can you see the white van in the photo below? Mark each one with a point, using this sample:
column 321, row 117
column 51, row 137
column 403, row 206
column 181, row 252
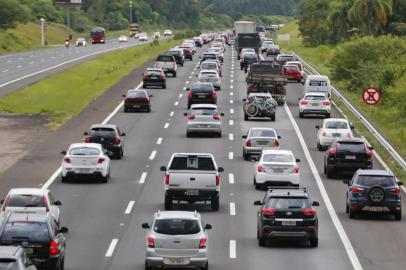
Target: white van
column 317, row 83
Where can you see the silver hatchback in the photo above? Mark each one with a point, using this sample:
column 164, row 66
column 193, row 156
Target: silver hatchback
column 176, row 239
column 258, row 139
column 203, row 118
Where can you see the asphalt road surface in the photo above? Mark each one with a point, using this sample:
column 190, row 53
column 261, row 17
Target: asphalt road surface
column 104, row 220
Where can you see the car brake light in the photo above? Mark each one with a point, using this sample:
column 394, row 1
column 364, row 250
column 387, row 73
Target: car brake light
column 357, row 189
column 217, row 180
column 45, row 200
column 202, row 243
column 190, row 117
column 295, row 169
column 150, row 242
column 395, row 191
column 6, row 202
column 67, row 160
column 216, row 117
column 156, row 64
column 326, row 103
column 213, row 95
column 162, row 76
column 146, row 76
column 304, row 102
column 268, row 212
column 189, row 95
column 309, row 212
column 349, row 136
column 276, row 143
column 368, row 152
column 167, row 179
column 100, row 160
column 323, row 134
column 117, row 140
column 332, row 151
column 174, row 64
column 53, row 248
column 88, row 139
column 260, row 168
column 248, row 143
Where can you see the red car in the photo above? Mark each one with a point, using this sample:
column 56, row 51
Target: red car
column 292, row 72
column 136, row 100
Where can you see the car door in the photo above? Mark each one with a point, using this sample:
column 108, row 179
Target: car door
column 55, row 211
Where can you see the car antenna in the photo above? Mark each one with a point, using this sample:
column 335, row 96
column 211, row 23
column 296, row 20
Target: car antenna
column 195, row 213
column 159, row 212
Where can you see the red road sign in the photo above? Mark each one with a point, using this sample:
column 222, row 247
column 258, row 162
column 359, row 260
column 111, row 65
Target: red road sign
column 371, row 95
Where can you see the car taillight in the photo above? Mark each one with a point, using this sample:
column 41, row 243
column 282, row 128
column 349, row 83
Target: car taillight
column 117, row 140
column 213, row 95
column 167, row 179
column 304, row 102
column 268, row 212
column 150, row 242
column 248, row 143
column 53, row 248
column 295, row 169
column 260, row 168
column 6, row 202
column 217, row 180
column 357, row 189
column 156, row 64
column 100, row 160
column 174, row 64
column 276, row 143
column 162, row 76
column 88, row 139
column 202, row 243
column 146, row 76
column 323, row 134
column 189, row 95
column 332, row 151
column 45, row 200
column 190, row 117
column 395, row 191
column 326, row 103
column 349, row 136
column 67, row 160
column 368, row 152
column 309, row 212
column 216, row 117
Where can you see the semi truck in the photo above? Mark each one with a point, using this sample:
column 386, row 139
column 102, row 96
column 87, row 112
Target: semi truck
column 98, row 35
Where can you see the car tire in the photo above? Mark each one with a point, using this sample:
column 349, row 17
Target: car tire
column 262, row 241
column 257, row 185
column 219, row 134
column 149, row 109
column 314, row 242
column 147, row 267
column 164, row 86
column 181, row 64
column 144, row 86
column 245, row 117
column 273, row 117
column 104, row 179
column 398, row 215
column 174, row 74
column 347, row 208
column 328, row 115
column 206, row 267
column 126, row 109
column 168, row 202
column 329, row 173
column 351, row 213
column 245, row 156
column 215, row 203
column 64, row 179
column 319, row 147
column 301, row 115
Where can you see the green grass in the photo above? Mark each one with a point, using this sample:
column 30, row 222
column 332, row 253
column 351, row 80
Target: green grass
column 388, row 120
column 65, row 94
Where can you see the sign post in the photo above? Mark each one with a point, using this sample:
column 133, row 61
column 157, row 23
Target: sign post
column 68, row 4
column 42, row 21
column 371, row 95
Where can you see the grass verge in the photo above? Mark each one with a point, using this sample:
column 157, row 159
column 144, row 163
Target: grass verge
column 65, row 94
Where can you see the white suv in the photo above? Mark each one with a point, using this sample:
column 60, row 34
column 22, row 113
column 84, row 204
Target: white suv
column 314, row 103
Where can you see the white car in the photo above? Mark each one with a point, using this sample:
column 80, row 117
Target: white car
column 314, row 103
column 210, row 76
column 246, row 51
column 157, row 35
column 266, row 44
column 258, row 139
column 276, row 167
column 143, row 37
column 122, row 39
column 331, row 130
column 318, row 83
column 215, row 65
column 167, row 33
column 218, row 51
column 81, row 42
column 86, row 160
column 31, row 200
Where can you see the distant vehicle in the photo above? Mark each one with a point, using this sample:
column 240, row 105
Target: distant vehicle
column 134, row 29
column 179, row 233
column 167, row 63
column 157, row 35
column 179, row 55
column 314, row 103
column 203, row 118
column 143, row 37
column 208, row 65
column 210, row 76
column 318, row 83
column 98, row 35
column 208, row 56
column 292, row 72
column 287, row 214
column 192, row 177
column 122, row 39
column 373, row 191
column 137, row 100
column 109, row 136
column 187, row 52
column 219, row 53
column 81, row 42
column 201, row 93
column 247, row 60
column 198, row 41
column 85, row 160
column 266, row 44
column 333, row 129
column 299, row 65
column 154, row 77
column 273, row 50
column 258, row 139
column 15, row 258
column 167, row 33
column 283, row 58
column 242, row 27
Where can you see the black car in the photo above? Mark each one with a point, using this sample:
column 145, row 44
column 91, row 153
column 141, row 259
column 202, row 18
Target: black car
column 15, row 258
column 109, row 136
column 201, row 93
column 247, row 60
column 287, row 213
column 179, row 55
column 373, row 191
column 43, row 241
column 188, row 54
column 347, row 155
column 154, row 77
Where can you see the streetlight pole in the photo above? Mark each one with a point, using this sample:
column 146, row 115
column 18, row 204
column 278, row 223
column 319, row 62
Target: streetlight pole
column 131, row 12
column 42, row 20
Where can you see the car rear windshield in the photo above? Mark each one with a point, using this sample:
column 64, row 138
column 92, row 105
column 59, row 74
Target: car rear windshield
column 174, row 52
column 84, row 151
column 26, row 201
column 354, row 147
column 165, row 58
column 25, row 230
column 204, row 112
column 317, row 83
column 262, row 133
column 287, row 58
column 288, row 203
column 136, row 94
column 314, row 97
column 154, row 72
column 336, row 125
column 192, row 163
column 209, row 65
column 102, row 131
column 176, row 226
column 8, row 264
column 277, row 158
column 202, row 88
column 376, row 180
column 291, row 67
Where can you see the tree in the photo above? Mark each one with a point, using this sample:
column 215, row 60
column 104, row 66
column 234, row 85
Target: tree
column 12, row 12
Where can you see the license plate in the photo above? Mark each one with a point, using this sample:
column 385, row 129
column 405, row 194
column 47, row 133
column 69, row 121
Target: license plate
column 193, row 192
column 201, row 96
column 29, row 251
column 315, row 104
column 136, row 106
column 176, row 261
column 376, row 209
column 83, row 170
column 288, row 223
column 262, row 143
column 336, row 134
column 165, row 69
column 277, row 170
column 350, row 157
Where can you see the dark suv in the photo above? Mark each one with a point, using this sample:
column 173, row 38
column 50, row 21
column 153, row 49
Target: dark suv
column 287, row 213
column 247, row 60
column 188, row 54
column 109, row 136
column 179, row 55
column 39, row 235
column 15, row 258
column 347, row 155
column 201, row 93
column 373, row 191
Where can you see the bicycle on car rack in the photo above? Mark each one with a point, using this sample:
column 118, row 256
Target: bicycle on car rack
column 259, row 105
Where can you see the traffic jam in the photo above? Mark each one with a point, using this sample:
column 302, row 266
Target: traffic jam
column 239, row 80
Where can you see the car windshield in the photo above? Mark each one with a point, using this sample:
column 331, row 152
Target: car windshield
column 26, row 201
column 8, row 264
column 353, row 147
column 81, row 39
column 277, row 158
column 376, row 180
column 197, row 163
column 154, row 72
column 209, row 66
column 84, row 151
column 314, row 97
column 288, row 203
column 262, row 133
column 21, row 230
column 176, row 226
column 274, row 47
column 136, row 94
column 336, row 125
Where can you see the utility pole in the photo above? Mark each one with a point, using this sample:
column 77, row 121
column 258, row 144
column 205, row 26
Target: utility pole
column 131, row 12
column 68, row 16
column 42, row 21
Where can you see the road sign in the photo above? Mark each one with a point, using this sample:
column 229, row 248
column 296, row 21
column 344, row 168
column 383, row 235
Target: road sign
column 371, row 95
column 285, row 37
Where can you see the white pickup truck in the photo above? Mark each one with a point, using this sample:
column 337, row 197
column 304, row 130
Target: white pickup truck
column 192, row 177
column 167, row 63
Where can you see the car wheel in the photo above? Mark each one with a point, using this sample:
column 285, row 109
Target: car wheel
column 273, row 117
column 314, row 242
column 206, row 267
column 262, row 241
column 215, row 203
column 219, row 134
column 181, row 64
column 164, row 86
column 104, row 179
column 347, row 208
column 328, row 115
column 174, row 74
column 257, row 185
column 149, row 109
column 147, row 267
column 64, row 179
column 126, row 109
column 241, row 67
column 330, row 173
column 245, row 117
column 168, row 202
column 351, row 213
column 244, row 155
column 301, row 115
column 319, row 147
column 144, row 86
column 398, row 215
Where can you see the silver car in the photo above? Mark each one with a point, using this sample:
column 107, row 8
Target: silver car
column 211, row 76
column 258, row 139
column 203, row 118
column 176, row 239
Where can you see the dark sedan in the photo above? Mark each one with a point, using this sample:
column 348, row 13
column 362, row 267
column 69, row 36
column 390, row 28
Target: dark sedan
column 137, row 100
column 201, row 93
column 154, row 77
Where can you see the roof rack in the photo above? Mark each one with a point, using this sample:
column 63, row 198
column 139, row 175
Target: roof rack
column 270, row 189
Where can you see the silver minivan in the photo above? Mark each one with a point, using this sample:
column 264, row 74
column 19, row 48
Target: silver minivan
column 176, row 239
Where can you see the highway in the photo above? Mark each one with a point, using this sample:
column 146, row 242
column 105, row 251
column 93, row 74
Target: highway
column 104, row 220
column 21, row 69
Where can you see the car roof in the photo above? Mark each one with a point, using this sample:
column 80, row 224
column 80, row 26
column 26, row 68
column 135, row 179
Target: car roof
column 137, row 90
column 209, row 106
column 192, row 154
column 155, row 69
column 375, row 172
column 324, row 77
column 26, row 191
column 8, row 252
column 321, row 94
column 276, row 151
column 208, row 71
column 260, row 94
column 335, row 120
column 103, row 126
column 287, row 192
column 350, row 140
column 27, row 216
column 177, row 214
column 262, row 128
column 91, row 145
column 293, row 62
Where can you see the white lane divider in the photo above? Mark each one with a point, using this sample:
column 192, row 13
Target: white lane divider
column 231, row 111
column 129, row 207
column 143, row 177
column 330, row 208
column 231, row 101
column 231, row 80
column 231, row 122
column 193, row 72
column 232, row 209
column 166, row 125
column 171, row 114
column 233, row 249
column 180, row 95
column 231, row 155
column 5, row 70
column 231, row 93
column 187, row 82
column 231, row 137
column 153, row 154
column 159, row 141
column 190, row 77
column 31, row 63
column 111, row 248
column 231, row 75
column 176, row 103
column 231, row 178
column 19, row 66
column 231, row 87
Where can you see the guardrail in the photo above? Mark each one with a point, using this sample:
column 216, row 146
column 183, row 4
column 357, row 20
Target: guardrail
column 359, row 115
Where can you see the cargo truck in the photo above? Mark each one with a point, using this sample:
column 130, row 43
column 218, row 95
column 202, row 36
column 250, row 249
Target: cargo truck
column 246, row 36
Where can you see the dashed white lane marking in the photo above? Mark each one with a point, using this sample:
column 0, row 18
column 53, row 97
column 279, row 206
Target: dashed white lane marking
column 9, row 61
column 231, row 111
column 153, row 154
column 171, row 114
column 231, row 80
column 231, row 178
column 129, row 207
column 19, row 66
column 231, row 87
column 330, row 208
column 230, row 122
column 231, row 101
column 193, row 72
column 112, row 247
column 5, row 70
column 52, row 57
column 232, row 209
column 231, row 75
column 180, row 95
column 187, row 82
column 231, row 137
column 166, row 125
column 233, row 249
column 231, row 93
column 159, row 141
column 231, row 155
column 176, row 103
column 190, row 77
column 143, row 177
column 31, row 63
column 232, row 71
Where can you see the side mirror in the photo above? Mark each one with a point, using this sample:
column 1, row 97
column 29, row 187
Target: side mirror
column 347, row 182
column 220, row 169
column 279, row 137
column 298, row 160
column 259, row 203
column 207, row 227
column 244, row 99
column 122, row 134
column 151, row 95
column 123, row 95
column 58, row 203
column 222, row 114
column 185, row 114
column 370, row 147
column 63, row 152
column 196, row 75
column 85, row 133
column 315, row 203
column 352, row 127
column 145, row 226
column 318, row 126
column 163, row 168
column 244, row 136
column 63, row 230
column 187, row 89
column 400, row 183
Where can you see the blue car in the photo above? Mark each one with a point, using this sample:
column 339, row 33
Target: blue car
column 373, row 191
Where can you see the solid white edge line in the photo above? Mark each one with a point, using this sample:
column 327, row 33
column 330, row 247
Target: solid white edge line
column 153, row 154
column 176, row 103
column 112, row 247
column 233, row 249
column 232, row 209
column 129, row 207
column 336, row 221
column 231, row 111
column 231, row 178
column 231, row 86
column 143, row 177
column 159, row 141
column 231, row 101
